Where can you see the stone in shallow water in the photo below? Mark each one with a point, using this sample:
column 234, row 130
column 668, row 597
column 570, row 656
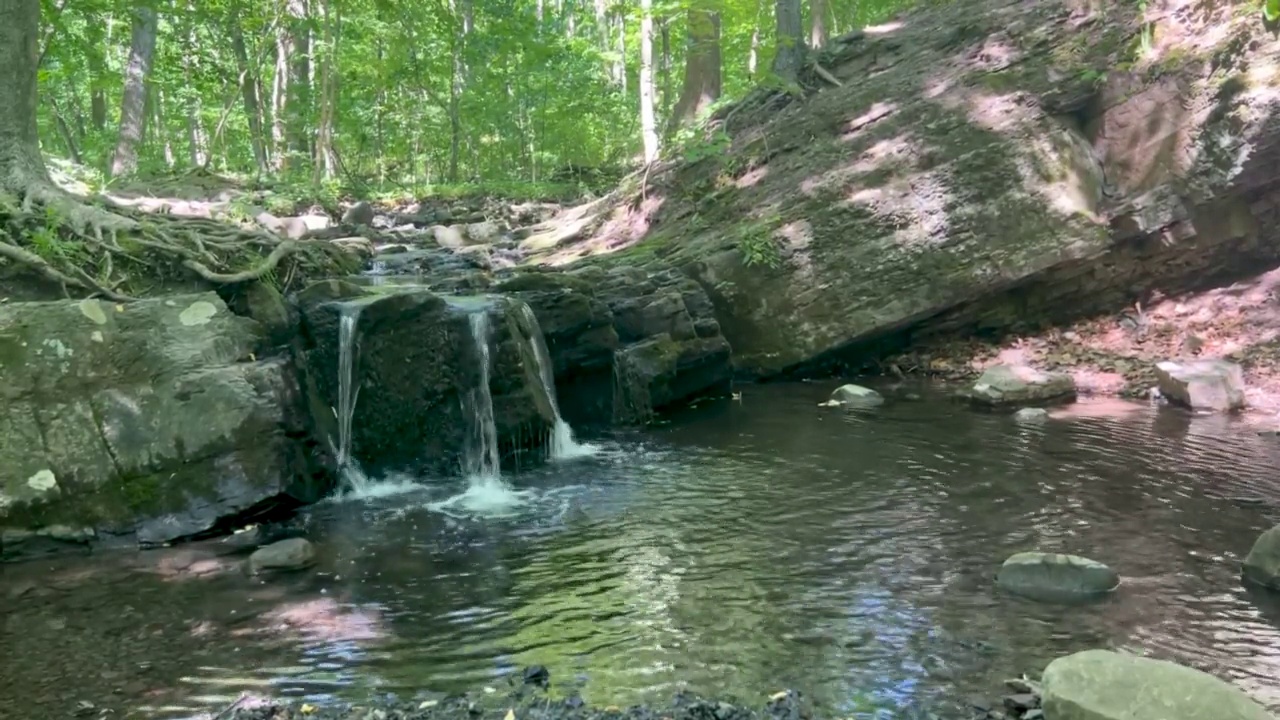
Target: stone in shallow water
column 1055, row 576
column 856, row 396
column 1104, row 685
column 1020, row 385
column 1216, row 385
column 1262, row 565
column 291, row 554
column 1031, row 415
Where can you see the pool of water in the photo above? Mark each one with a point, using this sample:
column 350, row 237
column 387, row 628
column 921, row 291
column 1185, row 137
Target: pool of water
column 745, row 547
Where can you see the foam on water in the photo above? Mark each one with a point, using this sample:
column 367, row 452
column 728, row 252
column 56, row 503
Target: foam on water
column 487, row 493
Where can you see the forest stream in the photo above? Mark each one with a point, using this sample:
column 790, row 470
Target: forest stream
column 746, row 546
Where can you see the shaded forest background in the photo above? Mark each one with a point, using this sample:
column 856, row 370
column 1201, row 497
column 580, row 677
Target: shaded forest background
column 372, row 96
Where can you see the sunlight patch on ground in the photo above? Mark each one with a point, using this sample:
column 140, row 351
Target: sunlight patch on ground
column 901, row 150
column 752, row 177
column 859, row 124
column 625, row 228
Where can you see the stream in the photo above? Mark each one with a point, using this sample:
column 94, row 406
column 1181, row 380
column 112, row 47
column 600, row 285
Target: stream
column 742, row 547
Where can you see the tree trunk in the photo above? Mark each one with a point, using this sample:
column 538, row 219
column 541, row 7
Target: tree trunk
column 94, row 49
column 197, row 144
column 462, row 18
column 817, row 23
column 666, row 67
column 279, row 98
column 790, row 40
column 133, row 105
column 648, row 124
column 298, row 104
column 249, row 88
column 753, row 55
column 701, row 69
column 326, row 159
column 64, row 130
column 21, row 167
column 620, row 62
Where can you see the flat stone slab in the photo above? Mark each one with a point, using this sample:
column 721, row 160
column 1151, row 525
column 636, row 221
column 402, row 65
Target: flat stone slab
column 1105, row 685
column 1051, row 576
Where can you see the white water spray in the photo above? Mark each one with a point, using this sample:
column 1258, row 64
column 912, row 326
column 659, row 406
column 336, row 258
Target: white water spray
column 563, row 445
column 487, row 493
column 349, row 472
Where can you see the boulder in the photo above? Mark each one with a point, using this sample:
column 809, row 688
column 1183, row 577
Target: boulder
column 146, row 420
column 409, row 412
column 856, row 396
column 356, row 245
column 295, row 228
column 625, row 342
column 1105, row 685
column 1052, row 576
column 1216, row 385
column 483, row 233
column 359, row 214
column 448, row 237
column 1020, row 385
column 1031, row 415
column 290, row 554
column 1262, row 564
column 995, row 197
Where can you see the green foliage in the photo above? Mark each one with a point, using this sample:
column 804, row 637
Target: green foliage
column 534, row 88
column 759, row 247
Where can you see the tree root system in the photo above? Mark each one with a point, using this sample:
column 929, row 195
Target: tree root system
column 116, row 252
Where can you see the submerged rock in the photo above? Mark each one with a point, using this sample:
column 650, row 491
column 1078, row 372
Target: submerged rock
column 1052, row 576
column 290, row 554
column 1031, row 415
column 1020, row 385
column 148, row 420
column 1262, row 564
column 1216, row 385
column 856, row 396
column 1105, row 685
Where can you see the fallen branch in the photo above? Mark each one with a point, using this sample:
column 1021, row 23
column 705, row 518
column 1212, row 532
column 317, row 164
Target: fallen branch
column 822, row 73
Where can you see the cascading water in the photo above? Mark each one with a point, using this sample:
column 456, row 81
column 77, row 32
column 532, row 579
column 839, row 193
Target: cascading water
column 480, row 455
column 349, row 472
column 563, row 445
column 487, row 493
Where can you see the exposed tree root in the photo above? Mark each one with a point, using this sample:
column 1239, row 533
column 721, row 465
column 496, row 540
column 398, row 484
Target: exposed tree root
column 75, row 244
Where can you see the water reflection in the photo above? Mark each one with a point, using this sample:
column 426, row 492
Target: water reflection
column 744, row 548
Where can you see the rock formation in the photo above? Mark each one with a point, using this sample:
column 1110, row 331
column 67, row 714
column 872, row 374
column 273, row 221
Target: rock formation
column 150, row 421
column 984, row 169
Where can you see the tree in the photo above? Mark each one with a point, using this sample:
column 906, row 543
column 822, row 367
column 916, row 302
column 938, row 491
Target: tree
column 702, row 81
column 790, row 37
column 133, row 104
column 817, row 23
column 648, row 124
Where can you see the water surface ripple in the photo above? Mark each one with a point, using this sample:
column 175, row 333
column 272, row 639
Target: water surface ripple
column 743, row 548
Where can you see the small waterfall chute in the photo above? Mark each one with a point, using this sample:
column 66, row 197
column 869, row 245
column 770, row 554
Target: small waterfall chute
column 487, row 493
column 350, row 474
column 563, row 444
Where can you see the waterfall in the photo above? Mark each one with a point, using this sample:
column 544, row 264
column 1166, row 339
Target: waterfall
column 486, row 493
column 563, row 445
column 480, row 455
column 349, row 471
